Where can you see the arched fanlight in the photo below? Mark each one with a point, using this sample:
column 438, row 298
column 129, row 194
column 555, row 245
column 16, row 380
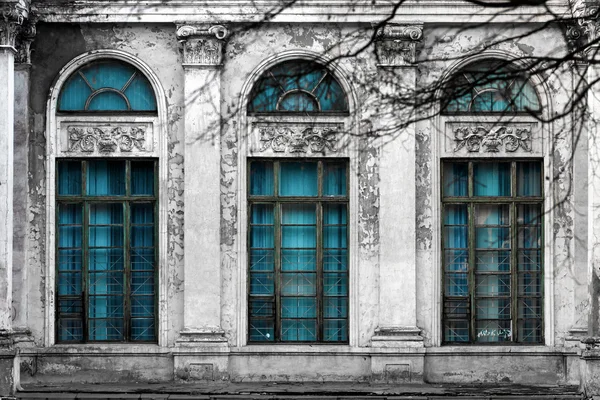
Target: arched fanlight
column 490, row 86
column 297, row 86
column 107, row 85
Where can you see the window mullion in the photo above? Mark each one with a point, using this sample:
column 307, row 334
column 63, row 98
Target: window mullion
column 320, row 275
column 471, row 275
column 85, row 277
column 277, row 272
column 514, row 232
column 127, row 270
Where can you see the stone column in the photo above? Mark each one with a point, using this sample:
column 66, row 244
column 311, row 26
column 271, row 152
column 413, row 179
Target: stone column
column 593, row 103
column 12, row 14
column 396, row 57
column 202, row 59
column 21, row 169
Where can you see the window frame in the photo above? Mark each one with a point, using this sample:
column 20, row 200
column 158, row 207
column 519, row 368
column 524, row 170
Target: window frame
column 512, row 201
column 126, row 200
column 277, row 201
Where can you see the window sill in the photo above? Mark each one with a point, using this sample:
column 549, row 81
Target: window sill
column 470, row 349
column 84, row 349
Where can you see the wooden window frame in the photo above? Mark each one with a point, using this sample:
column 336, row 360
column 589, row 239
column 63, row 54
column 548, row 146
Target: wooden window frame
column 277, row 201
column 126, row 200
column 513, row 201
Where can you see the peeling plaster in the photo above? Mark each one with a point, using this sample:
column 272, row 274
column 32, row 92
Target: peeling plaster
column 424, row 191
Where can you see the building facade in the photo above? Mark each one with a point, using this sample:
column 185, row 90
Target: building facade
column 319, row 191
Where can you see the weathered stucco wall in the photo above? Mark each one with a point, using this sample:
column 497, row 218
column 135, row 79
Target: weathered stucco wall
column 157, row 46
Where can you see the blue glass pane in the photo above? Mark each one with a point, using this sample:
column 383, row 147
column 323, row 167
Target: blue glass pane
column 529, row 182
column 105, row 214
column 106, row 178
column 299, row 330
column 491, row 179
column 298, row 179
column 141, row 95
column 74, row 94
column 455, row 226
column 298, row 101
column 524, row 96
column 142, row 178
column 490, row 101
column 142, row 329
column 107, row 74
column 142, row 213
column 334, row 214
column 262, row 330
column 70, row 330
column 261, row 178
column 456, row 179
column 334, row 180
column 69, row 178
column 331, row 96
column 70, row 214
column 108, row 101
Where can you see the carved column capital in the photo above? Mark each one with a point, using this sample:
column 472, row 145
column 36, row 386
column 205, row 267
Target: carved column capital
column 12, row 15
column 25, row 37
column 396, row 45
column 203, row 46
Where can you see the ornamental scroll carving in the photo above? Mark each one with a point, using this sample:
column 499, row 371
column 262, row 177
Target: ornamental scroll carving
column 106, row 139
column 202, row 46
column 298, row 139
column 396, row 45
column 492, row 139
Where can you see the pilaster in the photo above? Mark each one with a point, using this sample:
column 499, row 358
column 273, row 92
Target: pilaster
column 396, row 47
column 202, row 58
column 12, row 15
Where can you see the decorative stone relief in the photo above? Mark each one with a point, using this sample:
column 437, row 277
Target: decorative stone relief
column 492, row 139
column 202, row 46
column 298, row 139
column 480, row 139
column 106, row 139
column 396, row 45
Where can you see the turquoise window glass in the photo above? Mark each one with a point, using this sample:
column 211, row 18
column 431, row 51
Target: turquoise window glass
column 456, row 177
column 142, row 178
column 491, row 179
column 105, row 178
column 298, row 251
column 298, row 179
column 529, row 179
column 334, row 180
column 115, row 256
column 107, row 85
column 298, row 86
column 493, row 283
column 69, row 178
column 261, row 178
column 490, row 87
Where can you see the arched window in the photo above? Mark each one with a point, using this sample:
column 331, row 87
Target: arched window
column 107, row 85
column 490, row 87
column 106, row 168
column 297, row 86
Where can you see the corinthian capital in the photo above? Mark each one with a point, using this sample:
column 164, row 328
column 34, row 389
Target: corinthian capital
column 12, row 15
column 203, row 46
column 396, row 45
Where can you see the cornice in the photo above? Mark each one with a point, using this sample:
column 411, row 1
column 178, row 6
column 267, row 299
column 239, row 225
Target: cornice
column 307, row 11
